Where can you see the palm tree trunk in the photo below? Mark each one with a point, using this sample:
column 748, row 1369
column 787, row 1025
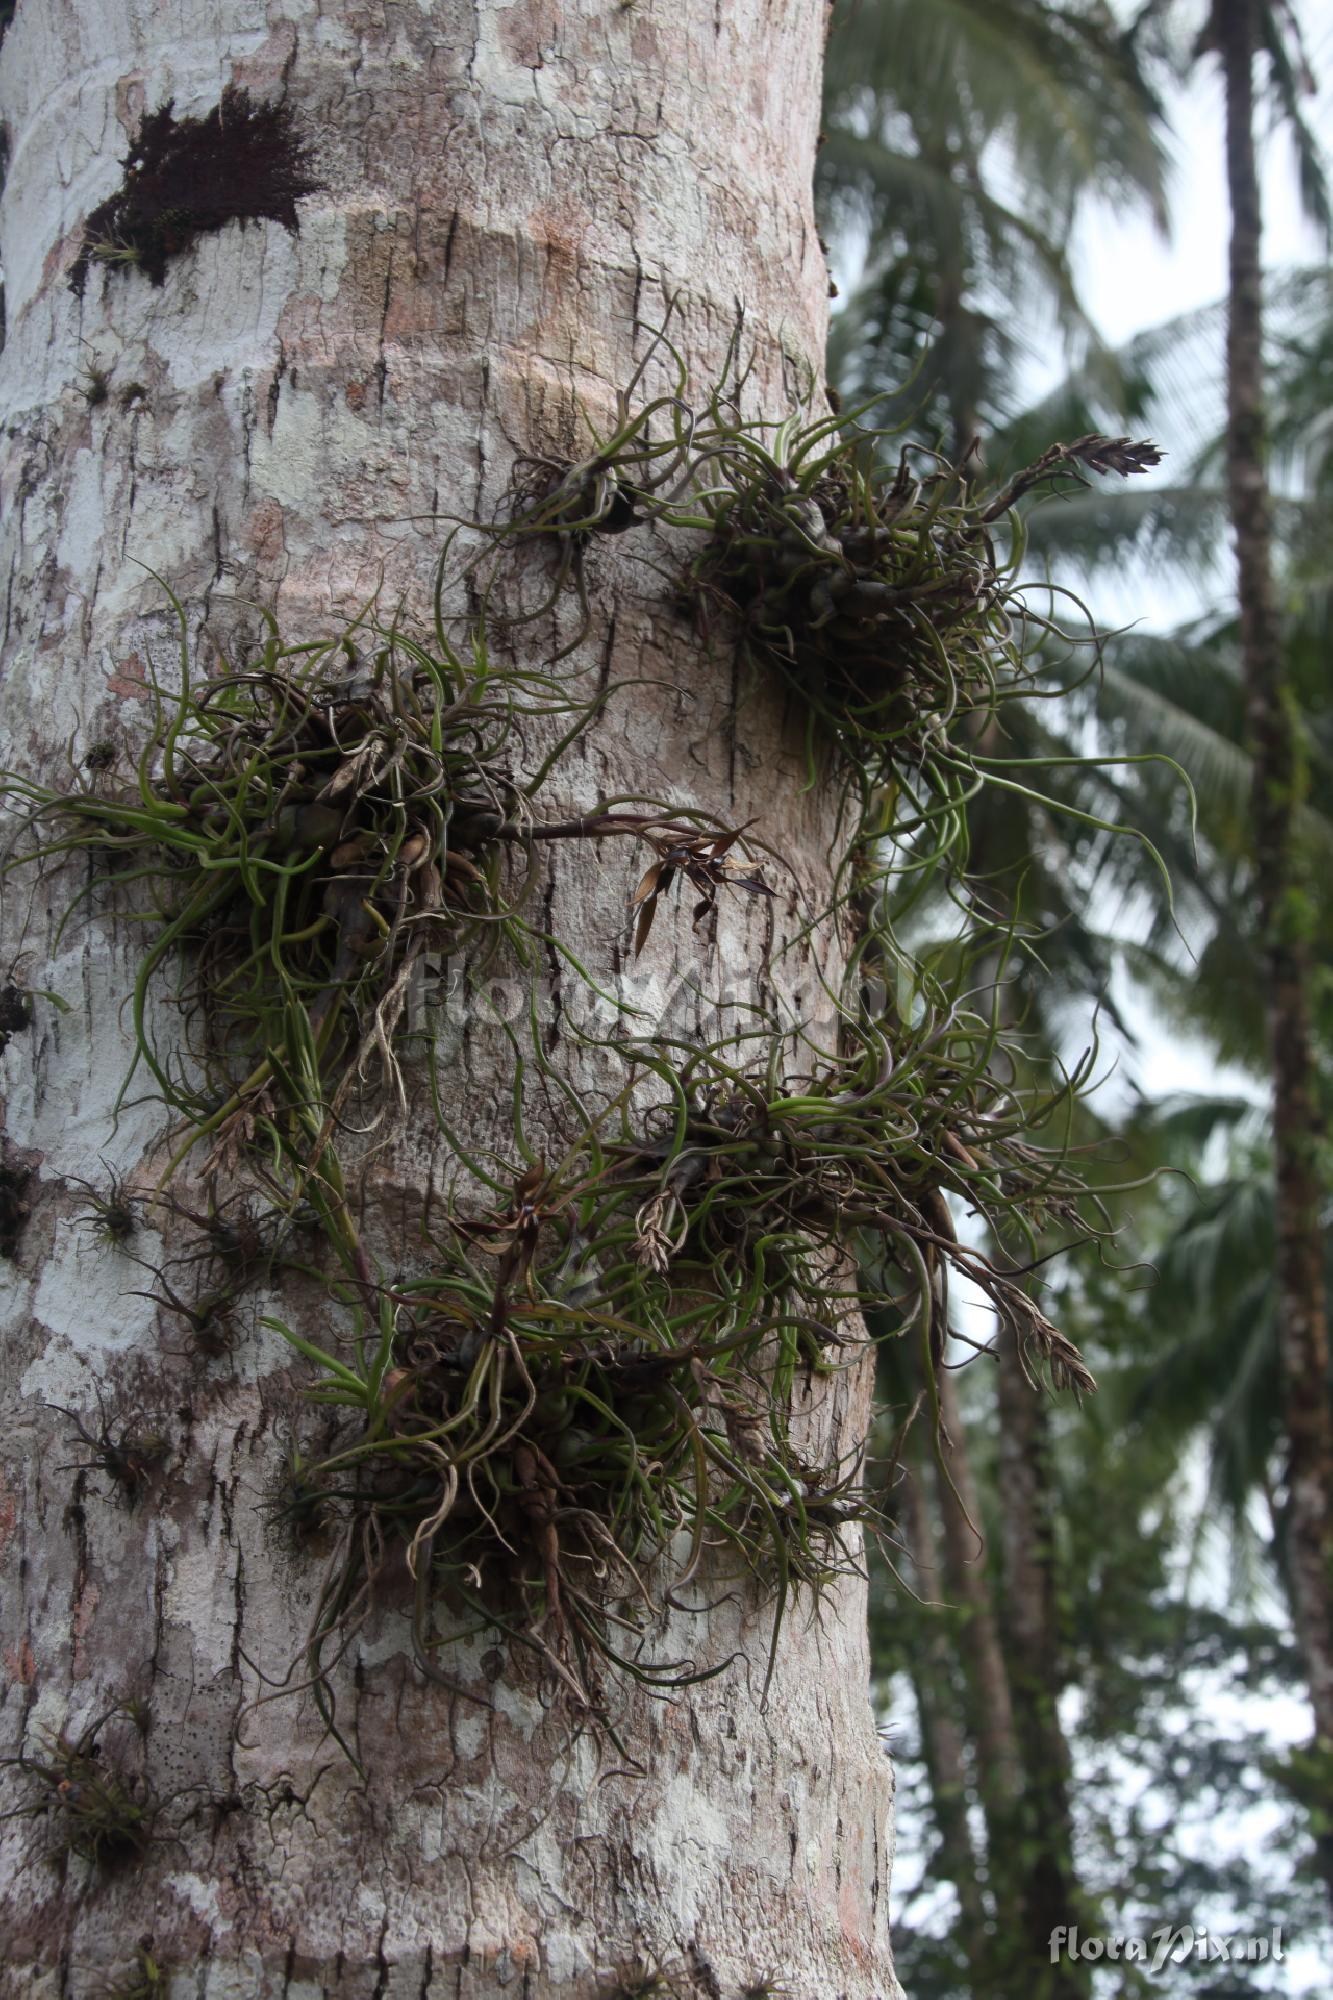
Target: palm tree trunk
column 943, row 1741
column 505, row 198
column 990, row 1707
column 999, row 1768
column 1284, row 898
column 1001, row 1778
column 1032, row 1648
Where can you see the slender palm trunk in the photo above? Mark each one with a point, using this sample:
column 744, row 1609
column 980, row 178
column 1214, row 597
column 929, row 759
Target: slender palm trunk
column 997, row 1744
column 956, row 358
column 1284, row 899
column 990, row 1707
column 944, row 1742
column 1051, row 1890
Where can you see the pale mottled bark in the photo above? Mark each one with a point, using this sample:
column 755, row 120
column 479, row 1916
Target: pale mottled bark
column 507, row 191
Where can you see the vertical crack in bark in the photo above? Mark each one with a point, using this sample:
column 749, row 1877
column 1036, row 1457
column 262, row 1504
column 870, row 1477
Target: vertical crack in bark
column 275, row 386
column 161, row 1573
column 381, row 359
column 427, row 1972
column 238, row 1611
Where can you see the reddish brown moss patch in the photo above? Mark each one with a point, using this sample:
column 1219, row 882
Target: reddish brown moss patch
column 188, row 177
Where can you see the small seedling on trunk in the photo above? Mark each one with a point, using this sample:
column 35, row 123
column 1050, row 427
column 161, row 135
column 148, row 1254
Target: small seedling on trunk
column 91, row 1809
column 129, row 1456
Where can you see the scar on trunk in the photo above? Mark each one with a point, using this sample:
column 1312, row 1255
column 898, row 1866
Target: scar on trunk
column 187, row 177
column 15, row 1174
column 15, row 1012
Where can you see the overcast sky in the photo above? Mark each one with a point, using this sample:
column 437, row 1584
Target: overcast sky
column 1131, row 278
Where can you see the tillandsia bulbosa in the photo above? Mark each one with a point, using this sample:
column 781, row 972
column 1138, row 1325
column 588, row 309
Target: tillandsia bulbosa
column 568, row 1411
column 577, row 1414
column 871, row 570
column 92, row 1808
column 148, row 1978
column 130, row 1456
column 305, row 830
column 286, row 844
